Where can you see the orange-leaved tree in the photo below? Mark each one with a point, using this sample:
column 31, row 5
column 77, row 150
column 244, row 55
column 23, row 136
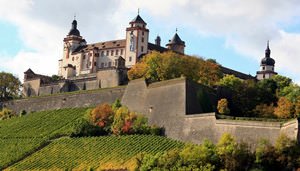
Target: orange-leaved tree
column 223, row 107
column 102, row 116
column 284, row 109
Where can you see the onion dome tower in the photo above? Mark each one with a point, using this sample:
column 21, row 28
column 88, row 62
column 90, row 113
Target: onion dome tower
column 266, row 66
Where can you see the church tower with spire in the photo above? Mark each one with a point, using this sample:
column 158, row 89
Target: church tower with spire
column 137, row 36
column 176, row 44
column 266, row 66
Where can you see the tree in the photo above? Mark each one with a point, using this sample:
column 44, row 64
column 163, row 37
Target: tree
column 233, row 156
column 243, row 95
column 157, row 66
column 297, row 107
column 264, row 110
column 292, row 92
column 284, row 109
column 223, row 107
column 102, row 116
column 9, row 86
column 266, row 91
column 281, row 81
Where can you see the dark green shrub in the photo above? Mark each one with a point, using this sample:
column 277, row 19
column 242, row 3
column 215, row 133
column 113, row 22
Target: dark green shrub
column 83, row 127
column 23, row 112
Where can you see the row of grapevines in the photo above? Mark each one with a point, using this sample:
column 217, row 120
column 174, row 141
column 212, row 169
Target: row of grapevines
column 13, row 149
column 23, row 135
column 72, row 153
column 41, row 124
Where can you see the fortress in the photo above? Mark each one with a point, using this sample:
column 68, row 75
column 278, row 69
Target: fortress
column 105, row 64
column 184, row 108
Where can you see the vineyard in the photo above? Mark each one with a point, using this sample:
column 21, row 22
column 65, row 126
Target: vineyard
column 109, row 152
column 41, row 124
column 22, row 136
column 41, row 141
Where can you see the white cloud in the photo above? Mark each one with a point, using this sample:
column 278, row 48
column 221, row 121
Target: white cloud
column 246, row 25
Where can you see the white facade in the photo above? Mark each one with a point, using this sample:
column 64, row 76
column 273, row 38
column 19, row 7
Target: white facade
column 80, row 58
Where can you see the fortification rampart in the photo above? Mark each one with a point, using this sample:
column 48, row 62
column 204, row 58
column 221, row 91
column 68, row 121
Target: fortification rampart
column 66, row 100
column 174, row 105
column 179, row 105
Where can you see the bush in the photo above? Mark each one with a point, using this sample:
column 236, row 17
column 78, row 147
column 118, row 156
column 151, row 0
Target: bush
column 102, row 116
column 82, row 127
column 6, row 114
column 264, row 110
column 116, row 105
column 117, row 120
column 223, row 107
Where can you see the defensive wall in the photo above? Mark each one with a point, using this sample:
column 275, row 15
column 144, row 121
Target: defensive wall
column 182, row 107
column 66, row 100
column 39, row 85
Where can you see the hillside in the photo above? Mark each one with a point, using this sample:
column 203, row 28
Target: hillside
column 41, row 140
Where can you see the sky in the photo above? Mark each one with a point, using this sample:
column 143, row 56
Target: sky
column 234, row 32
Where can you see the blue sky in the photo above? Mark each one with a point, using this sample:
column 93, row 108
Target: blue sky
column 10, row 41
column 233, row 32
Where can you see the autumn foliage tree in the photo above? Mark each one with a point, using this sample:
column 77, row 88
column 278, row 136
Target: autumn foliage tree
column 223, row 107
column 118, row 120
column 284, row 109
column 102, row 116
column 163, row 66
column 264, row 110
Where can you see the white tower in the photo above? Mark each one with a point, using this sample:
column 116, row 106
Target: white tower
column 137, row 36
column 266, row 66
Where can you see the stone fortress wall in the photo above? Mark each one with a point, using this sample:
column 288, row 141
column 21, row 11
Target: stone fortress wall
column 109, row 77
column 178, row 105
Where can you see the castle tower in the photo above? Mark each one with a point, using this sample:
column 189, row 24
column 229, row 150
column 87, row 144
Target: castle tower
column 176, row 44
column 137, row 36
column 71, row 42
column 266, row 66
column 157, row 40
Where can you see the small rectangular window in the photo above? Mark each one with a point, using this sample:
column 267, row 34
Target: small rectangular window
column 121, row 51
column 112, row 53
column 142, row 39
column 130, row 59
column 117, row 52
column 107, row 52
column 96, row 54
column 142, row 48
column 102, row 53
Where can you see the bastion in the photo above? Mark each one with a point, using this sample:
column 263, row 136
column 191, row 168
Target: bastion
column 184, row 108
